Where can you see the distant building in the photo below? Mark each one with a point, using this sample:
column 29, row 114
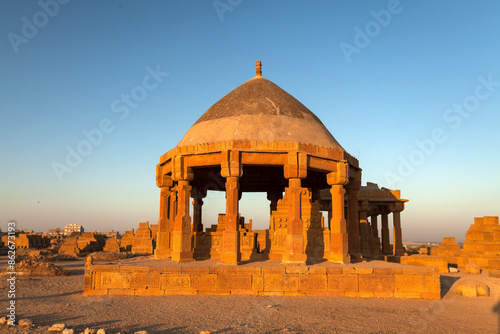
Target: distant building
column 54, row 232
column 72, row 228
column 112, row 234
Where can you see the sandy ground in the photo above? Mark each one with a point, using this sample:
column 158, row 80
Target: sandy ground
column 51, row 300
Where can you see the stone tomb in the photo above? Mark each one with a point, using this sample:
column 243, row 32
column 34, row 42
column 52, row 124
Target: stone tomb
column 70, row 247
column 482, row 244
column 450, row 249
column 127, row 241
column 143, row 240
column 112, row 245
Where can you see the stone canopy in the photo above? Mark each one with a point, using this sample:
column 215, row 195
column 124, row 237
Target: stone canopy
column 259, row 138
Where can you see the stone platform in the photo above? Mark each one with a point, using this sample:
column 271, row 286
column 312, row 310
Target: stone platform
column 164, row 277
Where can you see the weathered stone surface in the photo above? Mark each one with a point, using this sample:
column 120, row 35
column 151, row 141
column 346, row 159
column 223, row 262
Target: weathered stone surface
column 494, row 273
column 426, row 261
column 482, row 244
column 25, row 323
column 472, row 269
column 57, row 328
column 472, row 289
column 68, row 331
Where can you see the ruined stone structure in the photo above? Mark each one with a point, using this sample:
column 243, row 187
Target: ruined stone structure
column 70, row 247
column 86, row 243
column 366, row 238
column 482, row 244
column 481, row 249
column 112, row 245
column 31, row 240
column 127, row 241
column 143, row 240
column 449, row 249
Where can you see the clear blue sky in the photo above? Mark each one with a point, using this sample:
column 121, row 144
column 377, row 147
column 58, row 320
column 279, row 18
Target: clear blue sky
column 381, row 75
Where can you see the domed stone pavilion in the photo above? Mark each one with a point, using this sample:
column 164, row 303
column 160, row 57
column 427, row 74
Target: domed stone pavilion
column 259, row 138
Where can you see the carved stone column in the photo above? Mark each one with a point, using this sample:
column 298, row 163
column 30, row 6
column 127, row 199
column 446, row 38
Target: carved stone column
column 294, row 171
column 396, row 209
column 295, row 253
column 386, row 246
column 374, row 223
column 232, row 170
column 182, row 250
column 230, row 253
column 162, row 250
column 339, row 242
column 353, row 222
column 366, row 231
column 197, row 209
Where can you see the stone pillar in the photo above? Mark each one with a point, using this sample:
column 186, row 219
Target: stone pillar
column 232, row 170
column 197, row 210
column 173, row 207
column 182, row 249
column 330, row 216
column 162, row 250
column 353, row 222
column 230, row 252
column 385, row 232
column 366, row 231
column 374, row 223
column 295, row 247
column 396, row 209
column 294, row 171
column 338, row 227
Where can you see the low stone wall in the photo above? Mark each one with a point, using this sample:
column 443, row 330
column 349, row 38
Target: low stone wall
column 404, row 282
column 426, row 261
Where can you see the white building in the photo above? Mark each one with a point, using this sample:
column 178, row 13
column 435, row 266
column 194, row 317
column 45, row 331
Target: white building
column 71, row 228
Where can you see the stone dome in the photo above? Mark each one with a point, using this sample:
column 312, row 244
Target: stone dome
column 259, row 110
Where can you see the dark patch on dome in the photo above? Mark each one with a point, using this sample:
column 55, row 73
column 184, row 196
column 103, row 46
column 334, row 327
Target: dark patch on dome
column 258, row 96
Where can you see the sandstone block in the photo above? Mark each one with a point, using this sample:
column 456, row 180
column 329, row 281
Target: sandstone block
column 122, row 292
column 473, row 289
column 313, row 283
column 416, row 283
column 472, row 269
column 257, row 283
column 376, row 283
column 494, row 273
column 284, row 282
column 234, row 282
column 343, row 283
column 57, row 328
column 175, row 282
column 148, row 292
column 204, row 281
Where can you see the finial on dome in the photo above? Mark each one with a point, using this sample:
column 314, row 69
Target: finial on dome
column 258, row 72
